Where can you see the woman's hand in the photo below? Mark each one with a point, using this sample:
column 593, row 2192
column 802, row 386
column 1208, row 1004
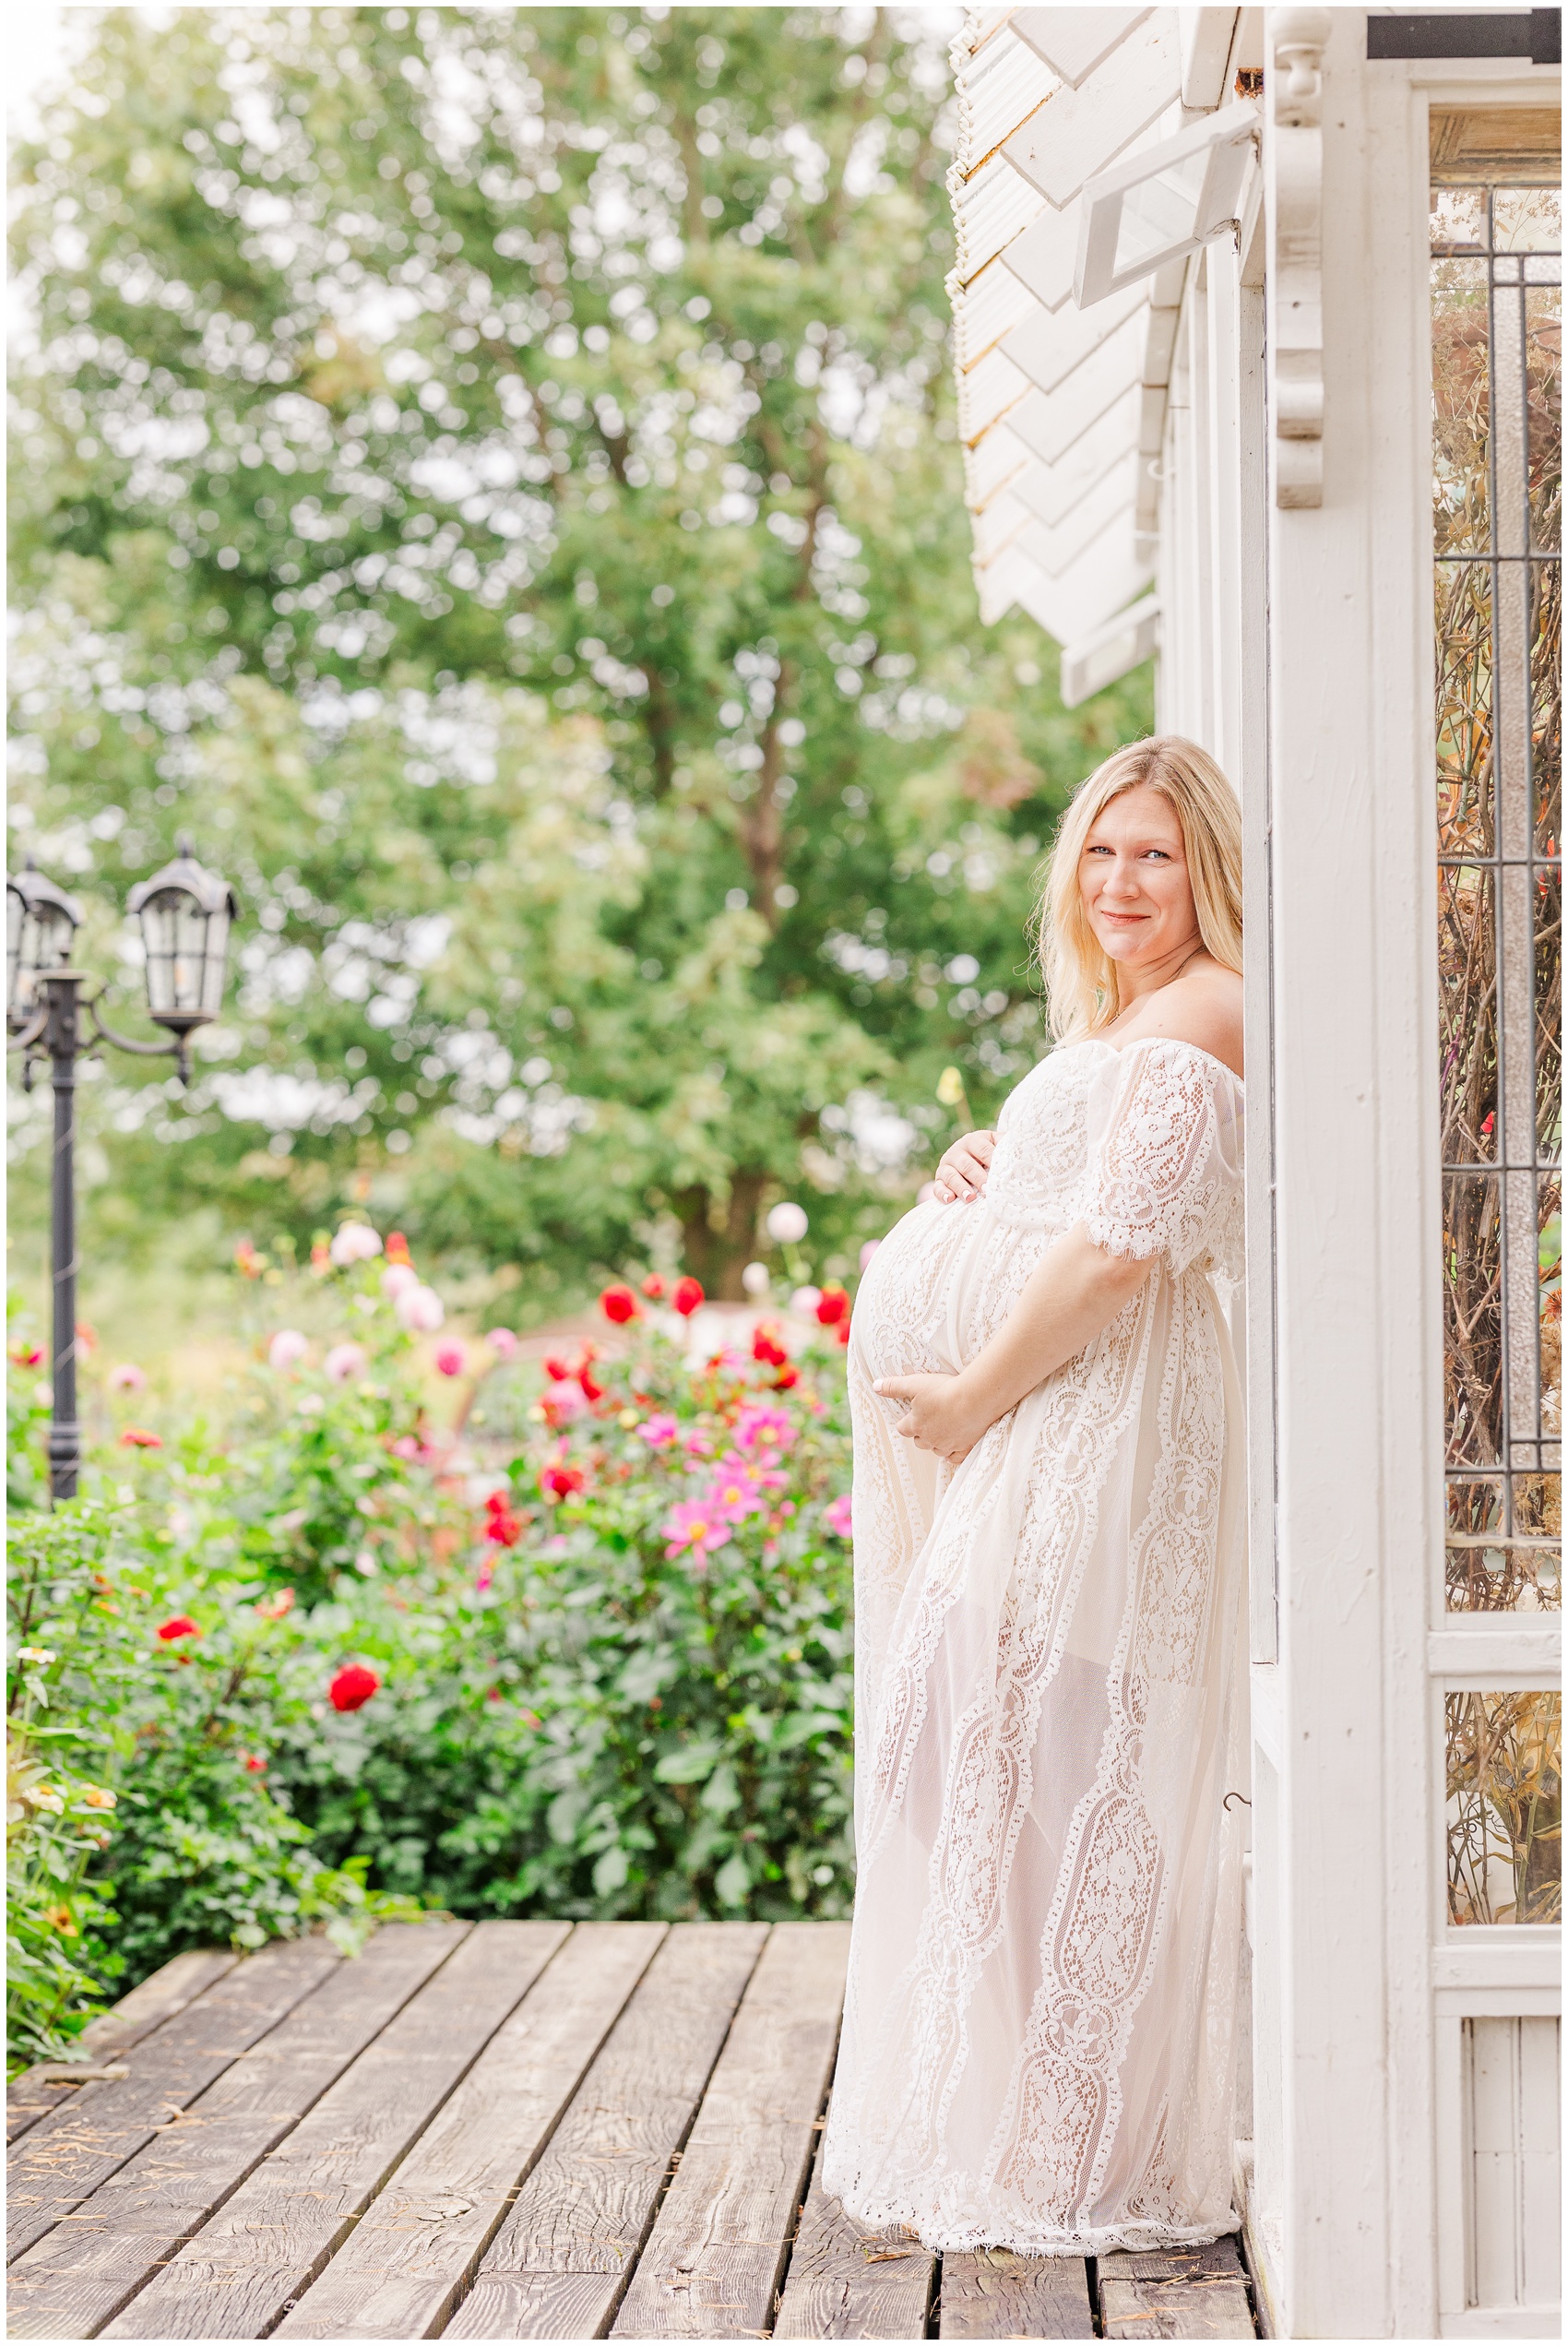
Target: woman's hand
column 940, row 1413
column 961, row 1174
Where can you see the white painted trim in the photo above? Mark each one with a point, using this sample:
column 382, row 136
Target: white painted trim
column 1496, row 1652
column 1521, row 1960
column 1267, row 1732
column 1357, row 1248
column 1497, row 2003
column 1503, row 2321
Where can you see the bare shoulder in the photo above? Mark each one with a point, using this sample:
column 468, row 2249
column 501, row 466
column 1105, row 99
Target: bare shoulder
column 1204, row 1008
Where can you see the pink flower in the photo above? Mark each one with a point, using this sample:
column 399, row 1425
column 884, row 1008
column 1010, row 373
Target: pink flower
column 420, row 1310
column 136, row 1438
column 407, row 1446
column 697, row 1442
column 503, row 1343
column 660, row 1431
column 451, row 1360
column 287, row 1349
column 693, row 1526
column 345, row 1362
column 867, row 1251
column 762, row 1425
column 398, row 1279
column 355, row 1242
column 836, row 1515
column 733, row 1494
column 126, row 1378
column 562, row 1402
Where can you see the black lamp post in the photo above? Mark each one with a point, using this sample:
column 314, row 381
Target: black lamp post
column 186, row 915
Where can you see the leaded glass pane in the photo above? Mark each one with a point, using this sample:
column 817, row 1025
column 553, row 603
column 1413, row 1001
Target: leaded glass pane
column 1496, row 523
column 1504, row 1807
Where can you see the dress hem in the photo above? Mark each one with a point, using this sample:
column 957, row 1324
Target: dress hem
column 1093, row 2241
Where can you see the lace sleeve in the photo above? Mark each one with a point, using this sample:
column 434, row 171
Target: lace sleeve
column 1164, row 1163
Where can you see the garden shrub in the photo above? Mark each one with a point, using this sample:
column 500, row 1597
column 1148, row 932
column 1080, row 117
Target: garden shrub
column 328, row 1659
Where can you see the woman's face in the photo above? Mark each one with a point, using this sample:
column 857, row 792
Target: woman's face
column 1134, row 880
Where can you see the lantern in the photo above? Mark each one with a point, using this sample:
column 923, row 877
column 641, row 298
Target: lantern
column 40, row 921
column 184, row 913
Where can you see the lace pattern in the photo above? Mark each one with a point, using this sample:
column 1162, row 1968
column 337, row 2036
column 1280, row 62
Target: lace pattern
column 1037, row 2033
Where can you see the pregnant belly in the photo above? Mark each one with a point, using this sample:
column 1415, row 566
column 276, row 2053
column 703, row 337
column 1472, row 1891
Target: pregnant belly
column 938, row 1287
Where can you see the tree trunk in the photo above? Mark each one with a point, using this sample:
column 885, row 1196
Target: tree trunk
column 718, row 1244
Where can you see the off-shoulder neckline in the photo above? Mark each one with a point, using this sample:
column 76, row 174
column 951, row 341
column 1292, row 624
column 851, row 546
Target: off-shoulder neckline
column 1098, row 1042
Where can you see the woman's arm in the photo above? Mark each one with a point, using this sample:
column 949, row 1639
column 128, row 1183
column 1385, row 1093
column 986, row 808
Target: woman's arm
column 1073, row 1291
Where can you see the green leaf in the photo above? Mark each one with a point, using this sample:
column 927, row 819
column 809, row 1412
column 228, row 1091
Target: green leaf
column 732, row 1882
column 610, row 1871
column 691, row 1764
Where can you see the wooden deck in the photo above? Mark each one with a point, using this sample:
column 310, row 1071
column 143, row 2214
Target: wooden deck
column 504, row 2130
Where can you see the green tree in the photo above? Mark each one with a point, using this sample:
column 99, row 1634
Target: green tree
column 492, row 476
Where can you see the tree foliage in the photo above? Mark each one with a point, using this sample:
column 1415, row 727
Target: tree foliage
column 491, row 476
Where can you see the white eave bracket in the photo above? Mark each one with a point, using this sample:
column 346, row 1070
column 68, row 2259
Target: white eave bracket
column 1293, row 171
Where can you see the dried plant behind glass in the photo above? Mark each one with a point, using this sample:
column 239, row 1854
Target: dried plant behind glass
column 1504, row 1750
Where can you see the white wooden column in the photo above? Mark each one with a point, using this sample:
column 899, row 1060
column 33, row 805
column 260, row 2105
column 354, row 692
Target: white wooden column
column 1356, row 1238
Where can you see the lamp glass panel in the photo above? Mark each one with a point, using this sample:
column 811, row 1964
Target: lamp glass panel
column 1159, row 215
column 174, row 930
column 213, row 962
column 16, row 920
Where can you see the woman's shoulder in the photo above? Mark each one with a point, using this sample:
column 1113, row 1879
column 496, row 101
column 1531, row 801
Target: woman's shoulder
column 1203, row 1009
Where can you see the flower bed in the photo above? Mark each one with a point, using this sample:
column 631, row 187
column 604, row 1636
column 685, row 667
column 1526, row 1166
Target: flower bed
column 335, row 1652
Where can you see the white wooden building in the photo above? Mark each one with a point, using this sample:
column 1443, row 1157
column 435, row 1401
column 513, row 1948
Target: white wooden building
column 1257, row 329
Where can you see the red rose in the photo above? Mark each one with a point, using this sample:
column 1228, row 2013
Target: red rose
column 832, row 1305
column 688, row 1295
column 767, row 1347
column 503, row 1527
column 352, row 1687
column 593, row 1390
column 557, row 1370
column 397, row 1247
column 786, row 1377
column 653, row 1287
column 136, row 1438
column 560, row 1482
column 618, row 1304
column 182, row 1625
column 254, row 1764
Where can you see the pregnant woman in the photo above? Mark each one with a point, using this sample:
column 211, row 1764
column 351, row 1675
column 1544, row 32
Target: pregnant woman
column 1038, row 2034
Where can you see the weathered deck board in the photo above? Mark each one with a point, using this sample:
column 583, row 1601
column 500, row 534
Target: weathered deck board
column 559, row 2263
column 713, row 2262
column 168, row 1990
column 263, row 2248
column 990, row 2292
column 78, row 2277
column 73, row 2150
column 511, row 2130
column 401, row 2270
column 847, row 2281
column 1176, row 2292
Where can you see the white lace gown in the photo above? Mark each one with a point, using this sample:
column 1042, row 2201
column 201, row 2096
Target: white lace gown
column 1038, row 2046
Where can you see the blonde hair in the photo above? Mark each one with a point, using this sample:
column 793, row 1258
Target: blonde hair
column 1082, row 993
